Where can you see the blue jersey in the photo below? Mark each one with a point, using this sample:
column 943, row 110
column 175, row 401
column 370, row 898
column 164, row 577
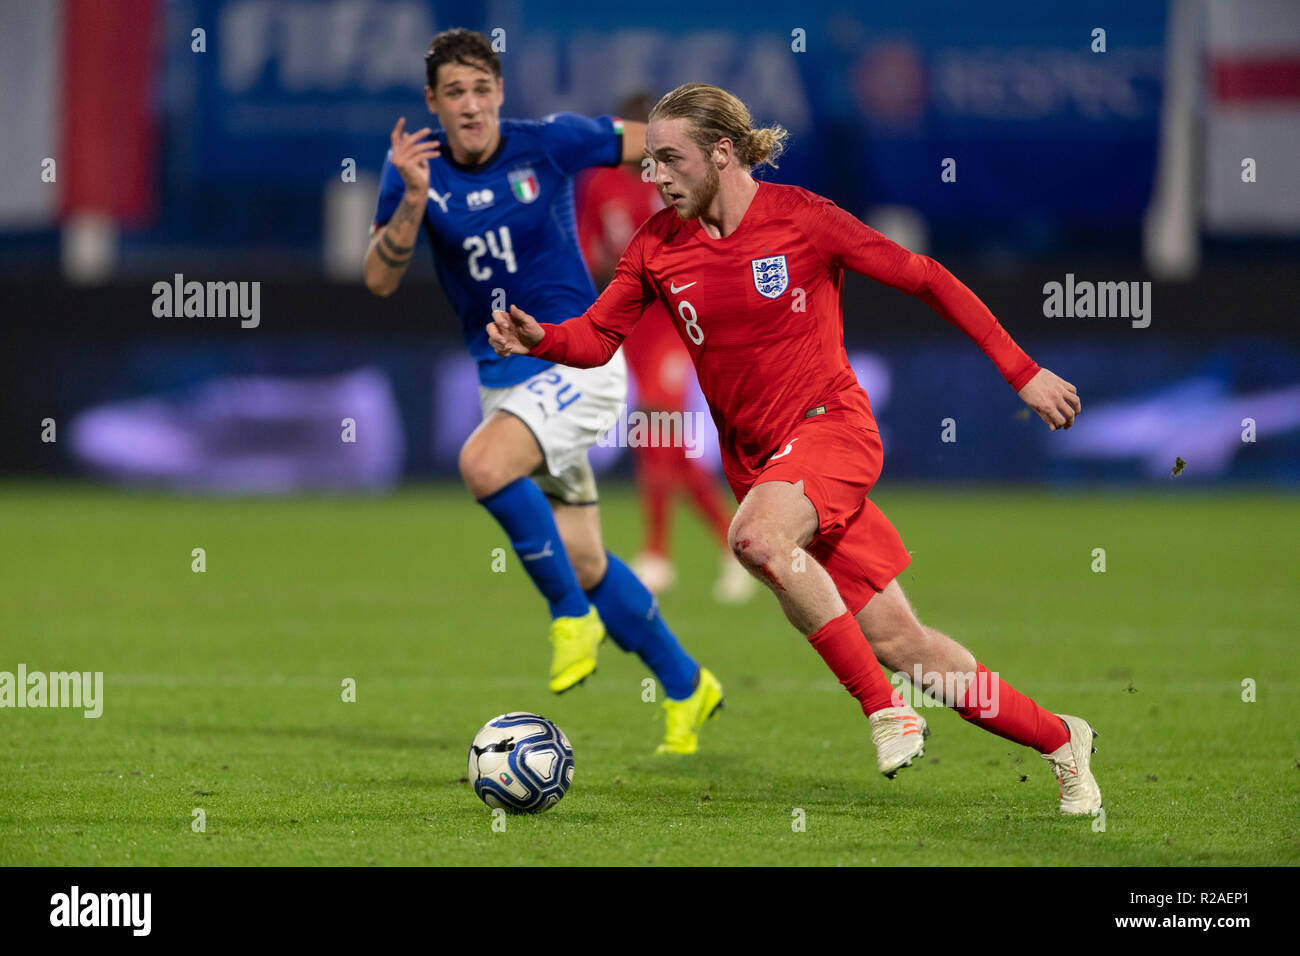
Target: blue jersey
column 504, row 232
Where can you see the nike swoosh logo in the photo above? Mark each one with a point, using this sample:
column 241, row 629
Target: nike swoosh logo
column 785, row 451
column 675, row 289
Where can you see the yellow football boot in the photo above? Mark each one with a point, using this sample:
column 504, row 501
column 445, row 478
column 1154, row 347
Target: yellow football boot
column 686, row 717
column 574, row 641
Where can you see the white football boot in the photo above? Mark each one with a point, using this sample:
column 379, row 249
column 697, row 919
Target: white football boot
column 1079, row 790
column 899, row 735
column 734, row 585
column 655, row 571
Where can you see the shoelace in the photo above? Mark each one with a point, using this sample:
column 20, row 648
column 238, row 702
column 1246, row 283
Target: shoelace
column 1067, row 775
column 894, row 729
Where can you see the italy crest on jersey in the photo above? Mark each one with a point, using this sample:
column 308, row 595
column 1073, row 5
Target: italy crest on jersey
column 523, row 183
column 770, row 276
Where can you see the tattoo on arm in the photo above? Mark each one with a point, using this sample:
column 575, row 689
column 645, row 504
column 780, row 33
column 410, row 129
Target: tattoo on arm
column 399, row 251
column 392, row 254
column 406, row 214
column 388, row 260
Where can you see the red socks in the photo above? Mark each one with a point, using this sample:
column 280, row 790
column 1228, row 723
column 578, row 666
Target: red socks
column 1000, row 709
column 707, row 496
column 654, row 473
column 846, row 652
column 990, row 703
column 661, row 473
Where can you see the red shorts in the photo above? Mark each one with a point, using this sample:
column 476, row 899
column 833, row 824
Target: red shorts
column 838, row 458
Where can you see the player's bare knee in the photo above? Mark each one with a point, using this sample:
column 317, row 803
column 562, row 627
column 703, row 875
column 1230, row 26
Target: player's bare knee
column 752, row 544
column 742, row 539
column 733, row 533
column 471, row 470
column 480, row 473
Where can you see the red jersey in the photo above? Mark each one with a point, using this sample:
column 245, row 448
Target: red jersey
column 612, row 203
column 760, row 312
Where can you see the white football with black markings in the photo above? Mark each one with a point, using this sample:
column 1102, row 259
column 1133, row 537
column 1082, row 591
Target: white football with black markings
column 521, row 763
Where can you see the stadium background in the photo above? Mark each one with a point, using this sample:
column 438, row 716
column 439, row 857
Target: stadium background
column 193, row 444
column 227, row 165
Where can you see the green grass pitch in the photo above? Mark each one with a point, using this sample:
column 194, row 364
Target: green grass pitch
column 223, row 689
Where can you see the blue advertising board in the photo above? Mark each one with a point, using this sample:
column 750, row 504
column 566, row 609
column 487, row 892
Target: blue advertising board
column 1040, row 127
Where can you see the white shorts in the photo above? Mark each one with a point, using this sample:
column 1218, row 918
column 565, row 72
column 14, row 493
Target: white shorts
column 566, row 409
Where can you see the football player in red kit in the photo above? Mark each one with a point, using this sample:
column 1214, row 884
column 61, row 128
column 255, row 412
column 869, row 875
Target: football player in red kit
column 612, row 203
column 753, row 272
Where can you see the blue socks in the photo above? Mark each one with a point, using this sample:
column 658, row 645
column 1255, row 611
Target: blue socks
column 630, row 612
column 631, row 617
column 524, row 513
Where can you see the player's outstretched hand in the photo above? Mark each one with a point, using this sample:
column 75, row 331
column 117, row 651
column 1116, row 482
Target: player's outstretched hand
column 411, row 155
column 1055, row 399
column 513, row 332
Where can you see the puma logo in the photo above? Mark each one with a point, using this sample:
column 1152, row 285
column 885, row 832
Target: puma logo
column 546, row 552
column 440, row 200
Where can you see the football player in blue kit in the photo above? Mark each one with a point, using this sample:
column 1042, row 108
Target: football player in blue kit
column 495, row 198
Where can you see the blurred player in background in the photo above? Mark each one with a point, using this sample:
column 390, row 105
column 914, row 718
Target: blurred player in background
column 495, row 198
column 612, row 203
column 800, row 443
